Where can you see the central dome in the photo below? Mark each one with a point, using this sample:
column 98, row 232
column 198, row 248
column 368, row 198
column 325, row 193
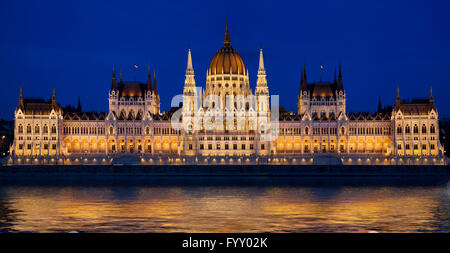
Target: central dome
column 227, row 59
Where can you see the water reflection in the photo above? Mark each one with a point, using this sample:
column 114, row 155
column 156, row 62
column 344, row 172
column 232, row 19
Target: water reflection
column 225, row 204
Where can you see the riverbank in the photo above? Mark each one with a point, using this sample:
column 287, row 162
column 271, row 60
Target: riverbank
column 224, row 170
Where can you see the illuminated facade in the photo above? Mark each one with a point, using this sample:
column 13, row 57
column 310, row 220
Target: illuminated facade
column 227, row 122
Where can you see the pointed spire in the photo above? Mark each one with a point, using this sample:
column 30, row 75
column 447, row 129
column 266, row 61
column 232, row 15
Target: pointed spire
column 189, row 68
column 155, row 88
column 261, row 69
column 149, row 79
column 303, row 83
column 261, row 82
column 301, row 79
column 120, row 80
column 304, row 74
column 431, row 96
column 397, row 99
column 113, row 82
column 226, row 40
column 54, row 94
column 340, row 83
column 21, row 99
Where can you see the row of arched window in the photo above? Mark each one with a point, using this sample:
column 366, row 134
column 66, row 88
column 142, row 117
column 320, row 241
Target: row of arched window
column 416, row 129
column 84, row 130
column 37, row 129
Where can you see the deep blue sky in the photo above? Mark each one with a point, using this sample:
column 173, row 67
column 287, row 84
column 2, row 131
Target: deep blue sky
column 71, row 46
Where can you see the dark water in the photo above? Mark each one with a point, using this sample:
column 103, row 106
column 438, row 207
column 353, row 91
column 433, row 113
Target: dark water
column 224, row 204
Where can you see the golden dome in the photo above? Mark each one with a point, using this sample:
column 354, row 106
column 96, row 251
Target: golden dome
column 227, row 59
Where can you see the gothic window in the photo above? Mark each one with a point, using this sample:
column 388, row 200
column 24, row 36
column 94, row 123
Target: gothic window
column 36, row 129
column 399, row 146
column 306, row 130
column 111, row 130
column 407, row 129
column 20, row 129
column 147, row 130
column 29, row 129
column 416, row 129
column 432, row 129
column 53, row 129
column 342, row 130
column 424, row 129
column 399, row 129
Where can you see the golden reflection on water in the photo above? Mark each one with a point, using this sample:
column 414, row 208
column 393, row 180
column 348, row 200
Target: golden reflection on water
column 225, row 209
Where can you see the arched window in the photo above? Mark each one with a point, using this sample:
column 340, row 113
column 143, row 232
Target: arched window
column 407, row 129
column 53, row 129
column 147, row 130
column 432, row 129
column 36, row 129
column 29, row 129
column 111, row 130
column 45, row 129
column 20, row 130
column 424, row 129
column 416, row 129
column 399, row 129
column 306, row 130
column 342, row 130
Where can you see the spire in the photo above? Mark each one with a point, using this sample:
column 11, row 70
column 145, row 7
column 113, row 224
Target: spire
column 397, row 99
column 226, row 40
column 261, row 82
column 189, row 81
column 79, row 105
column 261, row 68
column 379, row 105
column 113, row 82
column 21, row 99
column 121, row 80
column 155, row 88
column 301, row 80
column 304, row 76
column 431, row 96
column 340, row 83
column 149, row 79
column 189, row 68
column 54, row 103
column 303, row 84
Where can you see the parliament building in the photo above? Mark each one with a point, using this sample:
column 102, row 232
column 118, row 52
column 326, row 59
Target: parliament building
column 226, row 122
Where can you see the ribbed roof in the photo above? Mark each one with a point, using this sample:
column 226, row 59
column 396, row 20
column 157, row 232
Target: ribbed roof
column 227, row 59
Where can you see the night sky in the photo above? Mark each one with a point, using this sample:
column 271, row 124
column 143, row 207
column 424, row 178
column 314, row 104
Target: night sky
column 71, row 46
